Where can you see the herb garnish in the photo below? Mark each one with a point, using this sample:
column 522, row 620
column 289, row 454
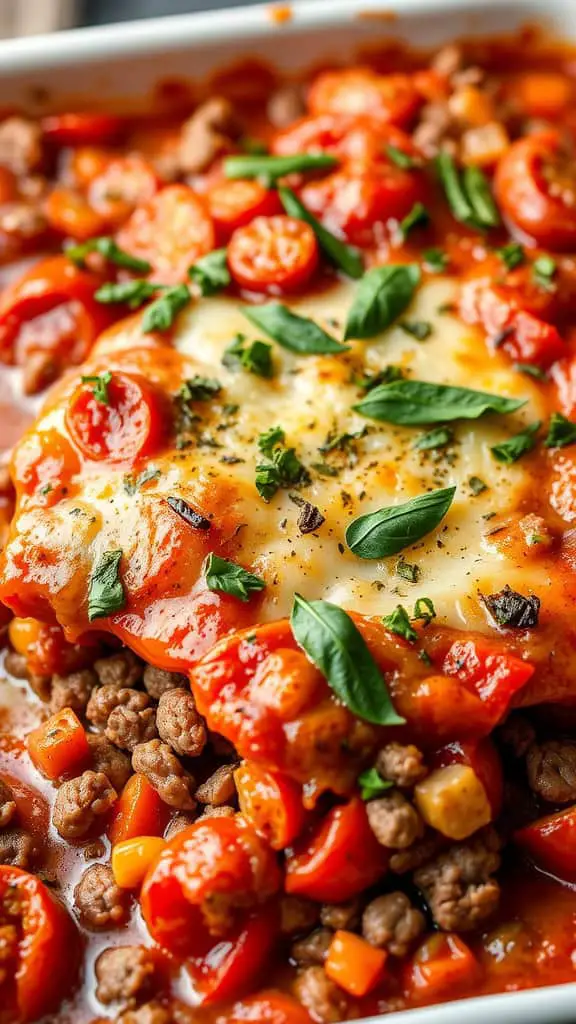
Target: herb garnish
column 515, row 447
column 199, row 389
column 254, row 356
column 107, row 248
column 433, row 439
column 529, row 370
column 381, row 296
column 211, row 272
column 477, row 485
column 343, row 256
column 390, row 530
column 398, row 622
column 229, row 578
column 161, row 314
column 416, row 403
column 418, row 217
column 295, row 333
column 419, row 329
column 273, row 167
column 334, row 644
column 400, row 158
column 509, row 608
column 269, row 439
column 424, row 610
column 284, row 468
column 133, row 484
column 188, row 514
column 543, row 272
column 132, row 293
column 101, row 384
column 435, row 260
column 388, row 375
column 512, row 255
column 372, row 784
column 468, row 193
column 105, row 590
column 407, row 570
column 310, row 517
column 561, row 432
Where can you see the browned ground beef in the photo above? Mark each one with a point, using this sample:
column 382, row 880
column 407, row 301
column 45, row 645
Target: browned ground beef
column 219, row 788
column 122, row 669
column 7, row 805
column 99, row 901
column 402, row 764
column 297, row 915
column 80, row 802
column 341, row 915
column 158, row 681
column 18, row 848
column 394, row 821
column 321, row 997
column 313, row 949
column 179, row 724
column 392, row 923
column 126, row 727
column 551, row 768
column 106, row 698
column 72, row 691
column 458, row 885
column 124, row 974
column 106, row 758
column 165, row 773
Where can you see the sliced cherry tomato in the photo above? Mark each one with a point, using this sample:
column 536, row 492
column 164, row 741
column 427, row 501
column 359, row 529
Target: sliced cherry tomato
column 203, row 884
column 125, row 183
column 271, row 803
column 339, row 857
column 172, row 231
column 353, row 203
column 551, row 843
column 233, row 204
column 51, row 308
column 125, row 426
column 232, row 966
column 482, row 756
column 82, row 129
column 357, row 139
column 392, row 98
column 535, row 185
column 40, row 947
column 70, row 214
column 442, row 967
column 268, row 1007
column 86, row 163
column 273, row 254
column 495, row 676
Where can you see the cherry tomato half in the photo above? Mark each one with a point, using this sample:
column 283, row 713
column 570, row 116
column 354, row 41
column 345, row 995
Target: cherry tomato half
column 535, row 185
column 392, row 98
column 273, row 254
column 125, row 183
column 43, row 947
column 122, row 424
column 74, row 129
column 233, row 204
column 551, row 842
column 271, row 802
column 172, row 231
column 232, row 965
column 338, row 859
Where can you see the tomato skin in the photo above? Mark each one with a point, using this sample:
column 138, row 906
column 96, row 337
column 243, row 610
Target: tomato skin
column 356, row 140
column 271, row 802
column 233, row 965
column 233, row 204
column 124, row 183
column 70, row 214
column 268, row 1007
column 208, row 877
column 337, row 859
column 496, row 676
column 551, row 843
column 273, row 254
column 139, row 811
column 393, row 98
column 172, row 231
column 75, row 129
column 524, row 195
column 47, row 958
column 128, row 426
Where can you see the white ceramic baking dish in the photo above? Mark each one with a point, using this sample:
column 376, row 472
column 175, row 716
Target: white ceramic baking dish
column 126, row 60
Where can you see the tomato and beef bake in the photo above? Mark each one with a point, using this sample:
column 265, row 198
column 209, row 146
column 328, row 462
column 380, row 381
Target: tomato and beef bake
column 288, row 580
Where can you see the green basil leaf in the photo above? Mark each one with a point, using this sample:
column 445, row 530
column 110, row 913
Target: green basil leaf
column 211, row 272
column 418, row 217
column 296, row 333
column 480, row 197
column 561, row 432
column 381, row 296
column 273, row 167
column 390, row 530
column 229, row 578
column 335, row 645
column 531, row 371
column 161, row 314
column 199, row 389
column 407, row 570
column 419, row 329
column 512, row 255
column 253, row 357
column 270, row 439
column 515, row 447
column 424, row 610
column 435, row 260
column 414, row 403
column 544, row 271
column 372, row 784
column 399, row 622
column 105, row 590
column 400, row 158
column 477, row 485
column 132, row 293
column 101, row 384
column 107, row 248
column 437, row 438
column 345, row 257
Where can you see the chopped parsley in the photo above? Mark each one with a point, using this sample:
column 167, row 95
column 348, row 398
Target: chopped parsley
column 101, row 382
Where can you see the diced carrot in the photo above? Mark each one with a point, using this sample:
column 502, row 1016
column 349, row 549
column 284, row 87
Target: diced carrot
column 354, row 964
column 138, row 812
column 132, row 857
column 544, row 93
column 442, row 965
column 59, row 747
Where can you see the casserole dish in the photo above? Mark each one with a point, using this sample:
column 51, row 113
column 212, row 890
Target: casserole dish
column 39, row 76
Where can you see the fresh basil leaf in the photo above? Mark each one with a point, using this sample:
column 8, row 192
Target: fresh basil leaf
column 229, row 578
column 199, row 389
column 296, row 333
column 414, row 403
column 399, row 622
column 105, row 590
column 273, row 167
column 561, row 432
column 437, row 438
column 515, row 447
column 390, row 530
column 424, row 610
column 531, row 371
column 111, row 252
column 133, row 484
column 387, row 375
column 512, row 255
column 101, row 384
column 419, row 329
column 544, row 271
column 343, row 256
column 477, row 485
column 131, row 293
column 253, row 357
column 211, row 272
column 270, row 439
column 435, row 260
column 335, row 645
column 407, row 571
column 161, row 314
column 381, row 296
column 285, row 467
column 400, row 158
column 372, row 784
column 479, row 194
column 418, row 217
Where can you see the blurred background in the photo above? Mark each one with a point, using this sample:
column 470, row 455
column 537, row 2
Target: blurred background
column 28, row 17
